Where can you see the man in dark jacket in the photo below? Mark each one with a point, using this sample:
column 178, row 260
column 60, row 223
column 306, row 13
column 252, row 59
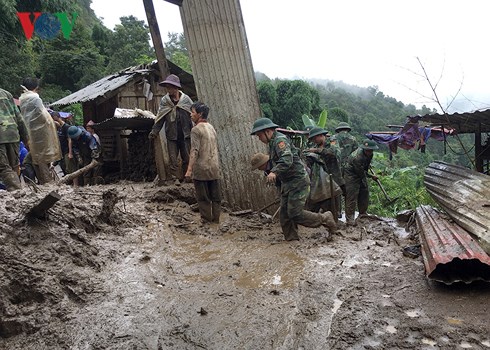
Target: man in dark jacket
column 175, row 113
column 12, row 131
column 289, row 169
column 85, row 149
column 355, row 176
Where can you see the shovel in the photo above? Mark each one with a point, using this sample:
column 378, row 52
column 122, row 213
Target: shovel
column 388, row 199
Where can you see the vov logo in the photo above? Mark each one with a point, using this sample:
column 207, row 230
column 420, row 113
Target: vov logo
column 46, row 25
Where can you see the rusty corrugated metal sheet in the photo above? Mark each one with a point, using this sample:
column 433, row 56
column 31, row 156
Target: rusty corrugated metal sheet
column 471, row 122
column 450, row 253
column 465, row 195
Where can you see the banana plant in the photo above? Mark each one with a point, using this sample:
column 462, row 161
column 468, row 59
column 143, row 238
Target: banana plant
column 309, row 122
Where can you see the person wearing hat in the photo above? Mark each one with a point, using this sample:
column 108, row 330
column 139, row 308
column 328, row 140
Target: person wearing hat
column 175, row 113
column 355, row 176
column 68, row 163
column 330, row 156
column 85, row 149
column 260, row 161
column 346, row 142
column 12, row 132
column 288, row 168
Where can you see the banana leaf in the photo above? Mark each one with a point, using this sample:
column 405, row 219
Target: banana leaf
column 307, row 121
column 322, row 120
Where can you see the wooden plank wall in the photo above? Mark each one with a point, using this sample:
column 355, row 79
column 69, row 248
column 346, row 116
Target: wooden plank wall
column 225, row 81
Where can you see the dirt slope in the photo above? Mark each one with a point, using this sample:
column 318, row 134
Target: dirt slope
column 141, row 272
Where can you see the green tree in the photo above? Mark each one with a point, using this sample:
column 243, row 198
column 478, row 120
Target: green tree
column 71, row 64
column 176, row 51
column 129, row 42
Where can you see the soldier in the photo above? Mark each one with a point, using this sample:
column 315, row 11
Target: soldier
column 330, row 156
column 355, row 176
column 346, row 142
column 289, row 169
column 12, row 131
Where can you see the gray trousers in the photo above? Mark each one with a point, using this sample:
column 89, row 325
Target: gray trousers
column 174, row 148
column 208, row 196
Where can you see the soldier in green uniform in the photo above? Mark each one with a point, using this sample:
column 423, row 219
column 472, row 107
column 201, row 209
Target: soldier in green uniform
column 355, row 176
column 12, row 131
column 330, row 155
column 289, row 169
column 346, row 142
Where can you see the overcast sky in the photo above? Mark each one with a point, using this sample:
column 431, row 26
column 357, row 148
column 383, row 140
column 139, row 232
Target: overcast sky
column 360, row 42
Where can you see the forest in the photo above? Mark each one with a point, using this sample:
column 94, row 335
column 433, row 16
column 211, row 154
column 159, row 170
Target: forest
column 94, row 51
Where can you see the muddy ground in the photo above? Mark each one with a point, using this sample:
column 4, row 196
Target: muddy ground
column 142, row 272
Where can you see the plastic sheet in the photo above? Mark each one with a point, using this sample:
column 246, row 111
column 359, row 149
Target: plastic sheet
column 43, row 139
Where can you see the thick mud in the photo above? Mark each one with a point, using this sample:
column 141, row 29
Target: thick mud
column 130, row 266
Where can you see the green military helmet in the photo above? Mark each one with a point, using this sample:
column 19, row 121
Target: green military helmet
column 343, row 126
column 369, row 144
column 262, row 124
column 317, row 131
column 74, row 132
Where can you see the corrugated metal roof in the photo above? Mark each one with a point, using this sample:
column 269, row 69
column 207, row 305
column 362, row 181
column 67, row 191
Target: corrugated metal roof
column 112, row 82
column 100, row 87
column 465, row 196
column 450, row 253
column 463, row 123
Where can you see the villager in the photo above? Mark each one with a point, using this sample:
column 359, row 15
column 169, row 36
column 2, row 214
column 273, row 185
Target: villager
column 289, row 169
column 12, row 131
column 86, row 149
column 355, row 176
column 90, row 128
column 174, row 112
column 43, row 140
column 346, row 142
column 327, row 157
column 68, row 163
column 204, row 164
column 260, row 161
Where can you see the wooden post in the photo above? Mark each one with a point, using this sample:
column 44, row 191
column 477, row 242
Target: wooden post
column 40, row 209
column 164, row 72
column 156, row 38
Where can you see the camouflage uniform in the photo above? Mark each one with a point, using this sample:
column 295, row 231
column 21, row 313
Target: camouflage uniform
column 347, row 144
column 12, row 131
column 355, row 176
column 295, row 186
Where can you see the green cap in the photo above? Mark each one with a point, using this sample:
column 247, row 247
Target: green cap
column 262, row 124
column 342, row 126
column 317, row 131
column 369, row 144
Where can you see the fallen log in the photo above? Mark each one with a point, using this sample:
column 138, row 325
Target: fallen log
column 40, row 209
column 67, row 178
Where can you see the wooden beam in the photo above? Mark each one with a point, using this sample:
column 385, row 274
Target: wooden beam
column 156, row 38
column 40, row 209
